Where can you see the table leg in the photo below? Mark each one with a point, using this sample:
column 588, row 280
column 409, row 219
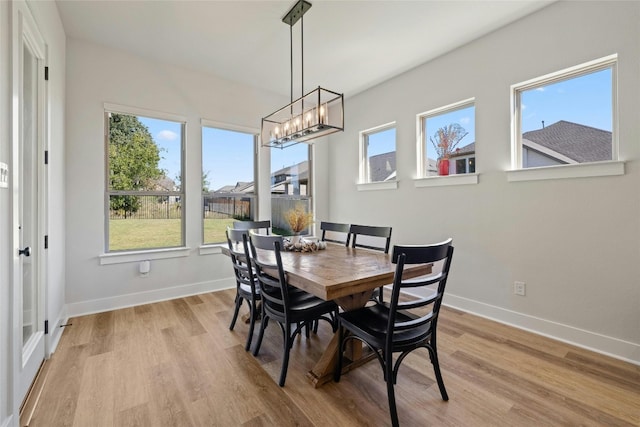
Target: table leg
column 323, row 370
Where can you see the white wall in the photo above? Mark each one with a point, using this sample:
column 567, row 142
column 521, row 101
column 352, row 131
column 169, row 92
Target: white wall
column 575, row 242
column 95, row 75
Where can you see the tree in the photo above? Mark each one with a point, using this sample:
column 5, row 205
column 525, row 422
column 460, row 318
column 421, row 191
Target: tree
column 133, row 160
column 446, row 139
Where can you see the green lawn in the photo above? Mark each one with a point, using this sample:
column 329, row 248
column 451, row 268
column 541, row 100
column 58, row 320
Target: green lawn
column 127, row 234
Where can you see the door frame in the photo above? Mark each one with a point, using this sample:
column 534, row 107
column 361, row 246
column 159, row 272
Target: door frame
column 26, row 32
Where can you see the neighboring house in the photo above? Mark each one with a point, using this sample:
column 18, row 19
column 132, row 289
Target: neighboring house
column 382, row 167
column 240, row 187
column 292, row 180
column 560, row 143
column 167, row 184
column 564, row 143
column 463, row 160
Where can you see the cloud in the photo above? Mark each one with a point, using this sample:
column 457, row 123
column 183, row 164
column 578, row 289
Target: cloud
column 523, row 107
column 465, row 120
column 540, row 89
column 167, row 135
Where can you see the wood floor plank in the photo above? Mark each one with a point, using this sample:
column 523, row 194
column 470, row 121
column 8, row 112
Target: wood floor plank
column 130, row 362
column 167, row 405
column 59, row 398
column 96, row 397
column 176, row 363
column 187, row 318
column 136, row 416
column 102, row 333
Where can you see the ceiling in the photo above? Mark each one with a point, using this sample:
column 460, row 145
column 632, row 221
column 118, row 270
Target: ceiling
column 349, row 46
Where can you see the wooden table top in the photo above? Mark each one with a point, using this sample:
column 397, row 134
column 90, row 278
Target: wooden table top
column 338, row 271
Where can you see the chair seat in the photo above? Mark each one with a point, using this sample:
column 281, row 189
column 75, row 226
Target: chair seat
column 371, row 324
column 247, row 289
column 302, row 305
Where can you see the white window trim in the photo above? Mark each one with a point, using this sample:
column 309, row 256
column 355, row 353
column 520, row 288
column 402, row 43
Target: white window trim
column 364, row 164
column 576, row 170
column 134, row 255
column 229, row 126
column 442, row 181
column 606, row 168
column 142, row 255
column 151, row 114
column 208, row 248
column 421, row 142
column 213, row 248
column 381, row 185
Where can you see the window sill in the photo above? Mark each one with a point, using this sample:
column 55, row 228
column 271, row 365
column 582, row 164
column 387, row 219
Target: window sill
column 374, row 186
column 441, row 181
column 142, row 255
column 213, row 248
column 582, row 170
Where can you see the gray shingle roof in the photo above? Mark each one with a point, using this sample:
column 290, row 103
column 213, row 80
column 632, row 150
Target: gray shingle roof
column 578, row 142
column 464, row 151
column 381, row 166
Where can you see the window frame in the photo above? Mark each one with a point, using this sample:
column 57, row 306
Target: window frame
column 586, row 169
column 134, row 254
column 364, row 182
column 422, row 179
column 256, row 144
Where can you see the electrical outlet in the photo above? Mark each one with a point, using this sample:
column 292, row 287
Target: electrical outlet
column 519, row 288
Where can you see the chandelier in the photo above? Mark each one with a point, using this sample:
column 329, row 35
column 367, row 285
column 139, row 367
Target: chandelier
column 313, row 115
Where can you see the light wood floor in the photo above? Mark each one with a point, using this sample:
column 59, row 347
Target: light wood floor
column 176, row 363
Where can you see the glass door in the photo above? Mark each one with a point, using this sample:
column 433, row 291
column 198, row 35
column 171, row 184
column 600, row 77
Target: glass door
column 29, row 206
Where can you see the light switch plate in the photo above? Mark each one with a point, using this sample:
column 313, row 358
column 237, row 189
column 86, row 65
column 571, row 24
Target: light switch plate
column 4, row 175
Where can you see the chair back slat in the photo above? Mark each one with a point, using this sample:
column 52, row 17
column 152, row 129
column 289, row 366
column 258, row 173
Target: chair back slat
column 253, row 225
column 424, row 309
column 237, row 241
column 335, row 227
column 267, row 262
column 371, row 231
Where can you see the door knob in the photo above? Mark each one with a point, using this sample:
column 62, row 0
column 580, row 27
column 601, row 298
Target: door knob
column 26, row 251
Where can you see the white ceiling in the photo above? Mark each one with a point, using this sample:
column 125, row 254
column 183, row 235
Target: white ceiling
column 349, row 46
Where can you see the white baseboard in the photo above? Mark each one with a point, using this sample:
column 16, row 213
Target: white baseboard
column 55, row 332
column 619, row 349
column 139, row 298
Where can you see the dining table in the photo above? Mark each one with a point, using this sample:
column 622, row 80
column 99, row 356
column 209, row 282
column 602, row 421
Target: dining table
column 347, row 276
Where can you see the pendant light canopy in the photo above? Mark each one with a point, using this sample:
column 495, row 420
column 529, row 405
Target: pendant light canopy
column 313, row 115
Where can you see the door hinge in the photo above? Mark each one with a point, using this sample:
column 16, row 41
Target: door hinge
column 46, row 241
column 46, row 157
column 46, row 327
column 46, row 73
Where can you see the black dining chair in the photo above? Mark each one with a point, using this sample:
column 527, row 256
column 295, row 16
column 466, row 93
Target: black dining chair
column 401, row 327
column 334, row 228
column 293, row 309
column 247, row 288
column 379, row 239
column 253, row 225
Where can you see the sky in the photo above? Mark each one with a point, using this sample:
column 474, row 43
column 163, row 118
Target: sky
column 585, row 100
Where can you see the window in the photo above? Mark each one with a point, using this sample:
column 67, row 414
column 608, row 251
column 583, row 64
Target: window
column 144, row 191
column 291, row 179
column 228, row 180
column 566, row 117
column 448, row 140
column 378, row 154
